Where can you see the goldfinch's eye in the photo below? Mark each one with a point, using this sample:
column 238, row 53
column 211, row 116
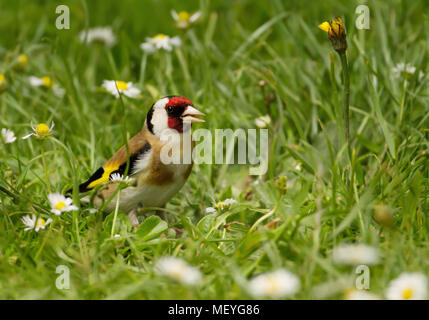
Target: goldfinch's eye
column 169, row 109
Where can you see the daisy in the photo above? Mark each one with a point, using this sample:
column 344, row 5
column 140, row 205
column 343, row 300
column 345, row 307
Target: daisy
column 60, row 203
column 275, row 285
column 104, row 35
column 179, row 270
column 408, row 286
column 8, row 135
column 263, row 121
column 406, row 69
column 125, row 88
column 160, row 41
column 403, row 68
column 41, row 131
column 33, row 223
column 184, row 20
column 47, row 83
column 117, row 177
column 221, row 205
column 354, row 254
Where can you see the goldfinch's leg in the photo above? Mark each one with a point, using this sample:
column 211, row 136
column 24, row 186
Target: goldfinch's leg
column 133, row 218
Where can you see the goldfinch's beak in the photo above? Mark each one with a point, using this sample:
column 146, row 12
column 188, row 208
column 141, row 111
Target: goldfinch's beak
column 189, row 115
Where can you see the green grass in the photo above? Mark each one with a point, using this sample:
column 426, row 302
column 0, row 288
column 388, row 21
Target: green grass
column 219, row 66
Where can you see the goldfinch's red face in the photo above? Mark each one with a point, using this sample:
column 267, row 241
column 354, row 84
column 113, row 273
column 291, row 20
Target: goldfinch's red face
column 172, row 112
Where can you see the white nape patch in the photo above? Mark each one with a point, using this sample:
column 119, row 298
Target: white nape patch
column 142, row 162
column 159, row 117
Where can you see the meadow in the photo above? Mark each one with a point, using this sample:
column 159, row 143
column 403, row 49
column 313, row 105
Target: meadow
column 320, row 210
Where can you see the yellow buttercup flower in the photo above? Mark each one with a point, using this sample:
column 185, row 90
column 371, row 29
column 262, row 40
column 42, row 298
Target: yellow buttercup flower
column 336, row 32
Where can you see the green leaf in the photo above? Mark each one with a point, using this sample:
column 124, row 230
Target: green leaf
column 151, row 227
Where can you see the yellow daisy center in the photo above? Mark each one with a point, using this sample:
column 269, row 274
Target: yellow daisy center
column 23, row 59
column 159, row 36
column 407, row 293
column 2, row 78
column 42, row 130
column 178, row 271
column 183, row 16
column 60, row 205
column 220, row 205
column 41, row 222
column 122, row 85
column 272, row 285
column 47, row 82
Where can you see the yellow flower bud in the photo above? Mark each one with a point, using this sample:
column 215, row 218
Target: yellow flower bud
column 336, row 32
column 3, row 83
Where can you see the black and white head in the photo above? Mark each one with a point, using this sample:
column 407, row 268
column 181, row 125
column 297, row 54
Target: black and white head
column 171, row 112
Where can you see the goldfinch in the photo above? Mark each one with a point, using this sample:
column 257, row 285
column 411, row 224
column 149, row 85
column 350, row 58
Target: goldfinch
column 154, row 183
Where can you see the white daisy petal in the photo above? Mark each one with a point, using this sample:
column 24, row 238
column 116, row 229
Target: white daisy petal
column 174, row 15
column 355, row 254
column 275, row 285
column 103, row 35
column 28, row 136
column 263, row 121
column 179, row 270
column 35, row 82
column 8, row 135
column 195, row 17
column 210, row 210
column 29, row 222
column 175, row 41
